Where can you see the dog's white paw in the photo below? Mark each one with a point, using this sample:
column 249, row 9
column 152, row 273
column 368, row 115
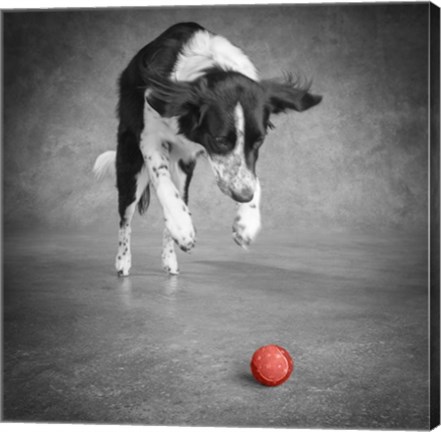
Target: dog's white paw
column 180, row 226
column 170, row 265
column 123, row 262
column 169, row 259
column 246, row 225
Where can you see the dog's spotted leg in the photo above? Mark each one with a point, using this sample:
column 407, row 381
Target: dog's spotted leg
column 247, row 224
column 128, row 200
column 182, row 173
column 169, row 258
column 123, row 261
column 176, row 214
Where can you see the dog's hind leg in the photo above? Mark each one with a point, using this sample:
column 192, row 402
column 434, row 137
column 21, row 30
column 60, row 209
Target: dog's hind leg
column 132, row 184
column 182, row 172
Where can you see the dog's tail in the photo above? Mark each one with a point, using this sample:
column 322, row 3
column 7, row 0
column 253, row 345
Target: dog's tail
column 105, row 165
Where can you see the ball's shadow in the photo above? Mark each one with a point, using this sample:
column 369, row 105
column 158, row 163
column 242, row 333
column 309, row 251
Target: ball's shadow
column 247, row 379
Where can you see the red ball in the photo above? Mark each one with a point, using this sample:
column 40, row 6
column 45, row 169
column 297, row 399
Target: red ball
column 271, row 365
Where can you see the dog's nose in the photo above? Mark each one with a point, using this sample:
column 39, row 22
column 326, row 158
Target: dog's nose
column 245, row 195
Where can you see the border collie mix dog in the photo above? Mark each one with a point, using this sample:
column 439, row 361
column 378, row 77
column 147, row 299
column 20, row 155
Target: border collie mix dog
column 187, row 93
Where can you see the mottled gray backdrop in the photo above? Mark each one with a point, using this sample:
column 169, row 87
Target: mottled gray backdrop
column 358, row 160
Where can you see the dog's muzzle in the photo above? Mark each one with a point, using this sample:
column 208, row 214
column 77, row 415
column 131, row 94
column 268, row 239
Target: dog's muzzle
column 233, row 177
column 239, row 185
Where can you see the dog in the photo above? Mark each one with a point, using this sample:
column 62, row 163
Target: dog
column 188, row 93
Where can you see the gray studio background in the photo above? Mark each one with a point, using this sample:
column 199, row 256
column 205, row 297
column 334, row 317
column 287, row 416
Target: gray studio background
column 358, row 160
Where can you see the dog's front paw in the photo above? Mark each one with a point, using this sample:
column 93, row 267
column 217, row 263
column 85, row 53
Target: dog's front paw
column 180, row 227
column 170, row 261
column 123, row 263
column 246, row 226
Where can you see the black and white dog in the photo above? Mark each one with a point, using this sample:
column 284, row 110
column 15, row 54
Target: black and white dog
column 191, row 92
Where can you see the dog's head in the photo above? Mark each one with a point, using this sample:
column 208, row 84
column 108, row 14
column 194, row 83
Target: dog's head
column 229, row 115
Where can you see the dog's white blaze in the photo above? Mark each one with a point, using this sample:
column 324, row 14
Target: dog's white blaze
column 232, row 174
column 239, row 122
column 205, row 50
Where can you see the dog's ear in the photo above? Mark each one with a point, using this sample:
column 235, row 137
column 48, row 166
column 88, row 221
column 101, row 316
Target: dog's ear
column 289, row 93
column 179, row 98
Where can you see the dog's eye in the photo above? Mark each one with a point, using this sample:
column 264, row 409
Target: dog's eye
column 221, row 141
column 270, row 125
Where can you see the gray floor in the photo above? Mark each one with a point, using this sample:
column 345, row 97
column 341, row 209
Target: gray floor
column 81, row 345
